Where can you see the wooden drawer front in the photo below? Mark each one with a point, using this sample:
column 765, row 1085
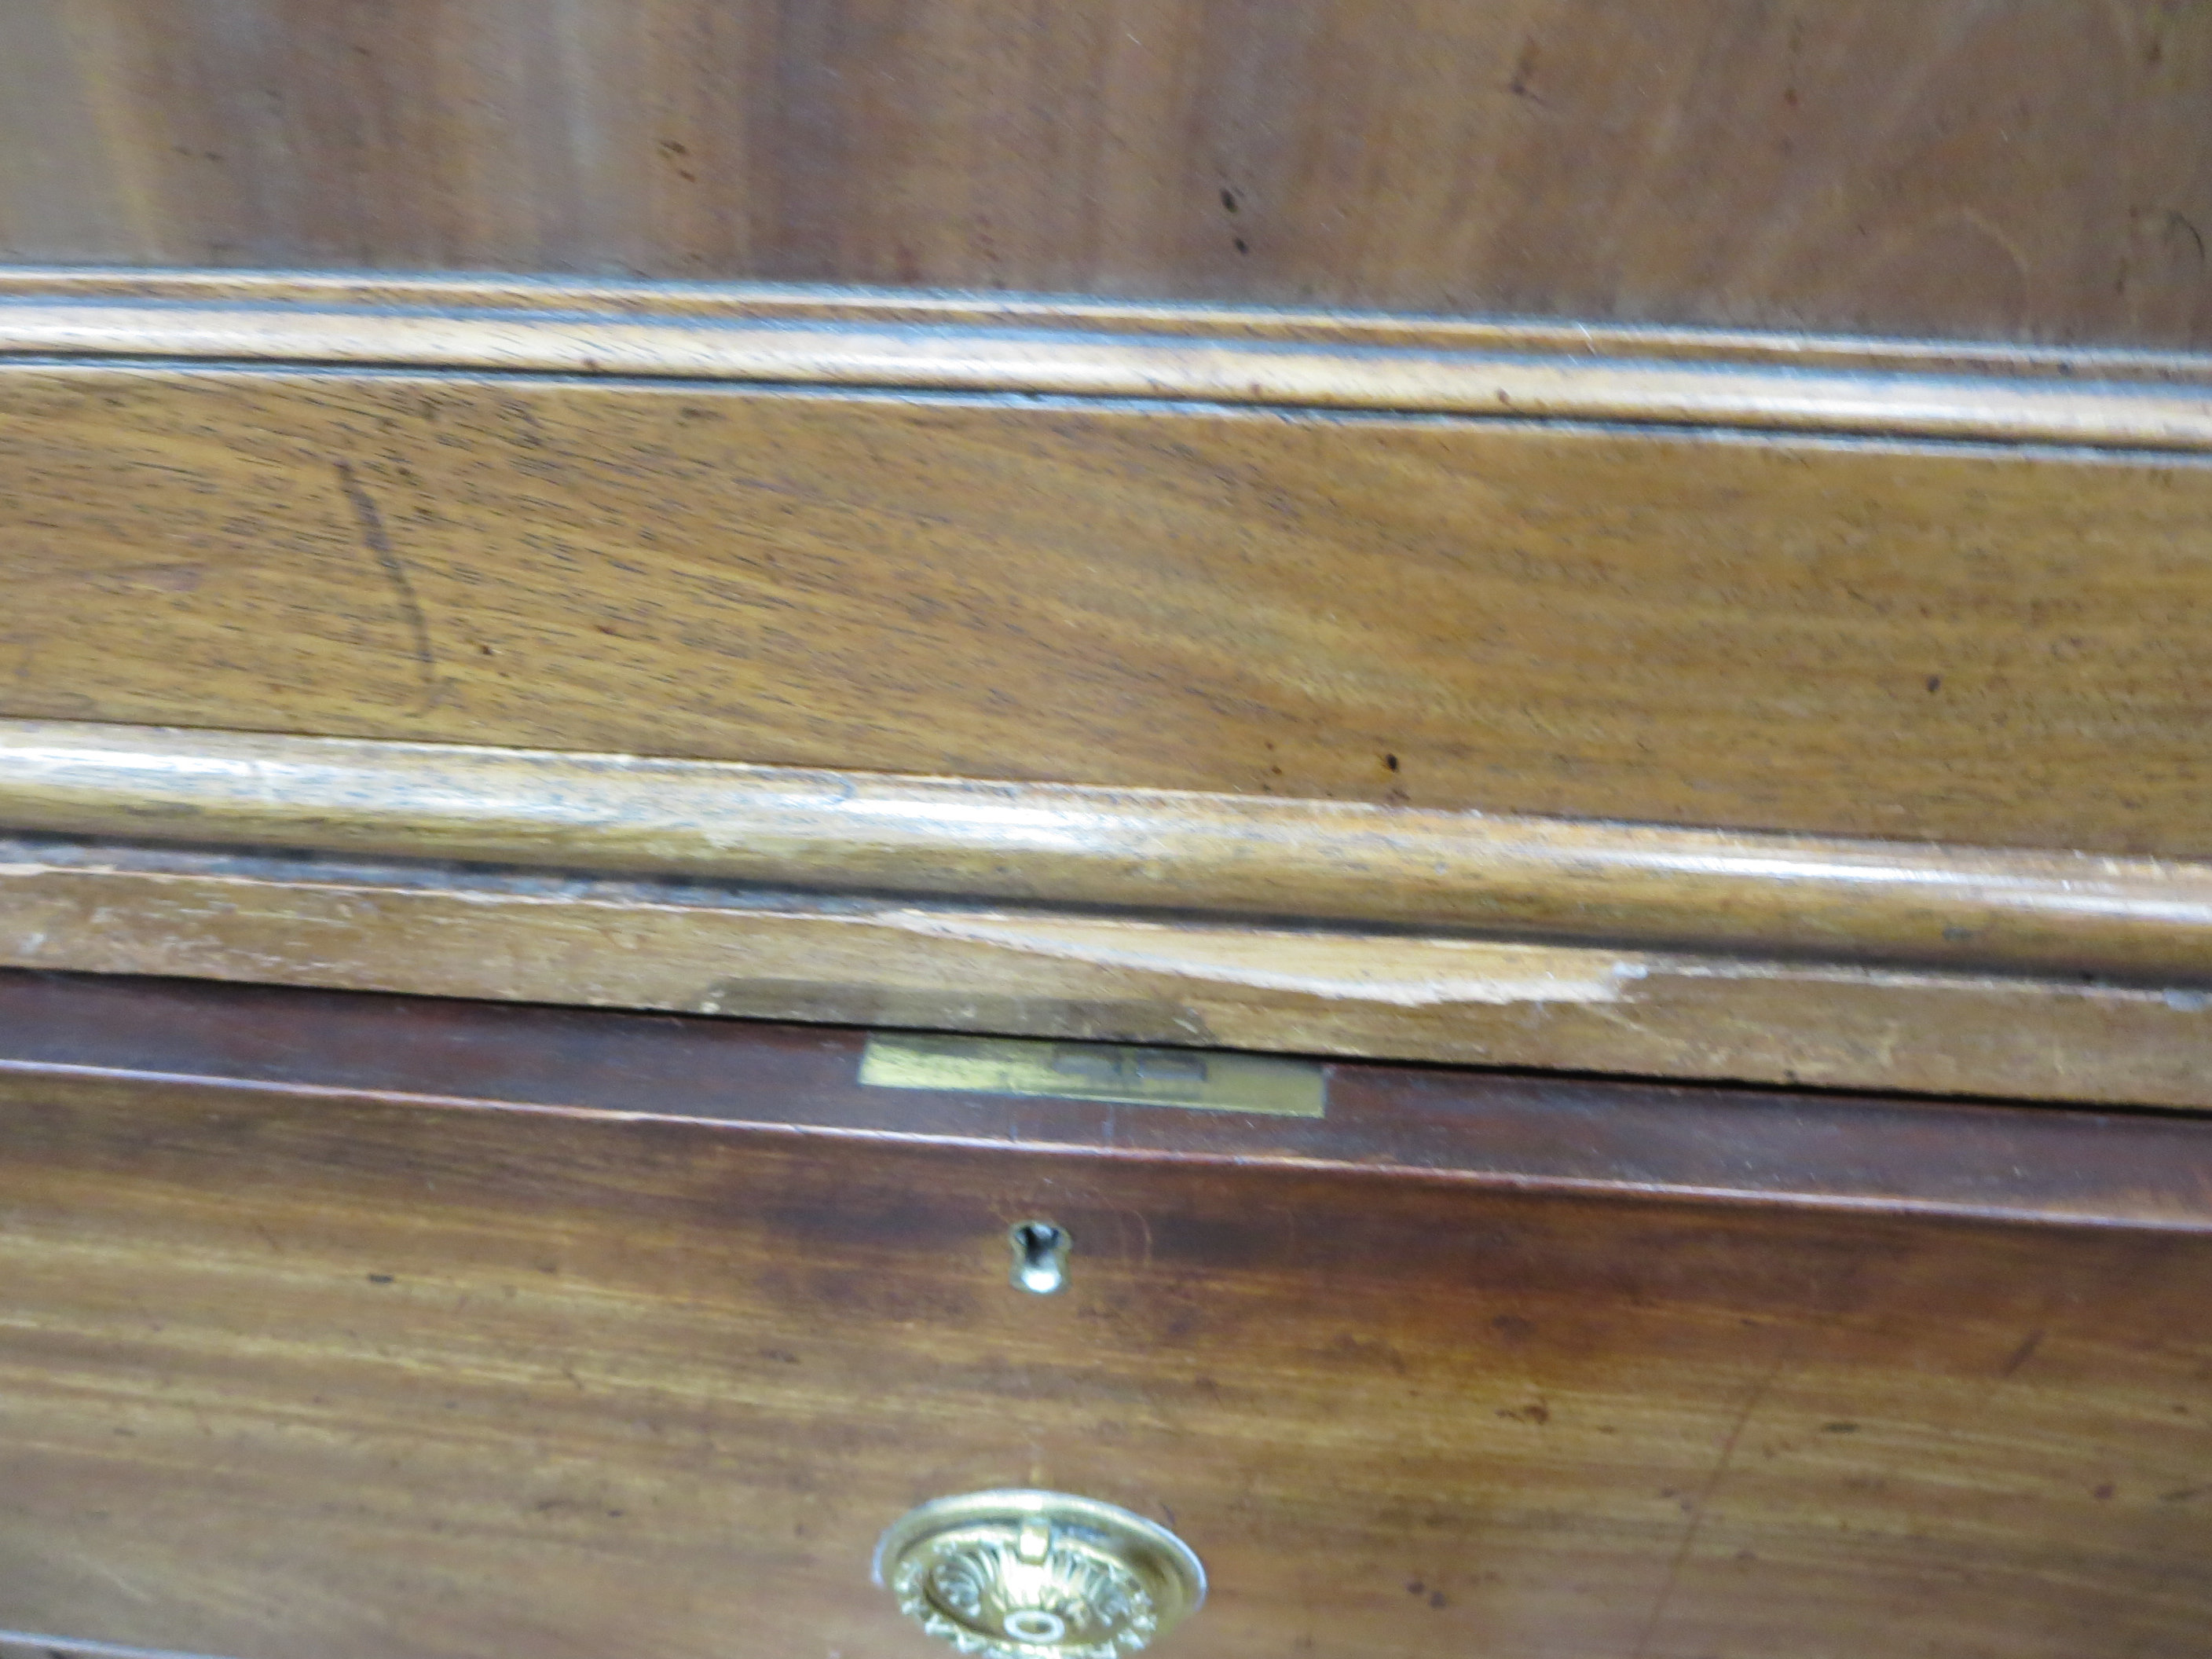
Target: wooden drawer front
column 1947, row 643
column 1757, row 582
column 351, row 1326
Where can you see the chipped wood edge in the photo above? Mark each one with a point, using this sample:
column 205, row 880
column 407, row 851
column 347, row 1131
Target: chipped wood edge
column 29, row 1644
column 2131, row 401
column 610, row 943
column 1635, row 887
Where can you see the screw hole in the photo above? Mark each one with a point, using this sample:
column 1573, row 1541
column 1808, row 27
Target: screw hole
column 1034, row 1624
column 1040, row 1256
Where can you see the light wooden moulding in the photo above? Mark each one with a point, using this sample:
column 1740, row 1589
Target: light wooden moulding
column 1145, row 916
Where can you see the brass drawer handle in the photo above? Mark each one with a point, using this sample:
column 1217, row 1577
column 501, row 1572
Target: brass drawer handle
column 1039, row 1574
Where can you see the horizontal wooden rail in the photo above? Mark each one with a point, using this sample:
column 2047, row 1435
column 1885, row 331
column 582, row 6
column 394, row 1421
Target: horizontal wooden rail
column 1792, row 895
column 520, row 935
column 1537, row 371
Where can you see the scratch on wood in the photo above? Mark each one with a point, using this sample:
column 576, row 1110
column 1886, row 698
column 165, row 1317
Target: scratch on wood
column 1698, row 1510
column 2023, row 1353
column 379, row 542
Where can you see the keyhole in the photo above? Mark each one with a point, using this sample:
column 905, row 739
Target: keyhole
column 1040, row 1256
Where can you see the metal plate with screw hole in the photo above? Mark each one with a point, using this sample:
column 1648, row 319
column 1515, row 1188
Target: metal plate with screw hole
column 1201, row 1081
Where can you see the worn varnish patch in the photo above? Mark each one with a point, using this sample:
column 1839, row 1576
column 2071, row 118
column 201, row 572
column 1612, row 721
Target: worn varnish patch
column 1408, row 972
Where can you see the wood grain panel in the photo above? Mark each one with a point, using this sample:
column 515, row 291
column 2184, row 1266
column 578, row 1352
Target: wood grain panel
column 695, row 948
column 1898, row 166
column 1995, row 646
column 294, row 1364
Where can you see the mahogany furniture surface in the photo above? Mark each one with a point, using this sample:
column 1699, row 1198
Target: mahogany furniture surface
column 1660, row 542
column 370, row 1326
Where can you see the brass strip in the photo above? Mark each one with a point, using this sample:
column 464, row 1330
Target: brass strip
column 1818, row 898
column 1198, row 1081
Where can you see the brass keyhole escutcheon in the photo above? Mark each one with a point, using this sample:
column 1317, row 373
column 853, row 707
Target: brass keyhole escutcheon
column 1039, row 1574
